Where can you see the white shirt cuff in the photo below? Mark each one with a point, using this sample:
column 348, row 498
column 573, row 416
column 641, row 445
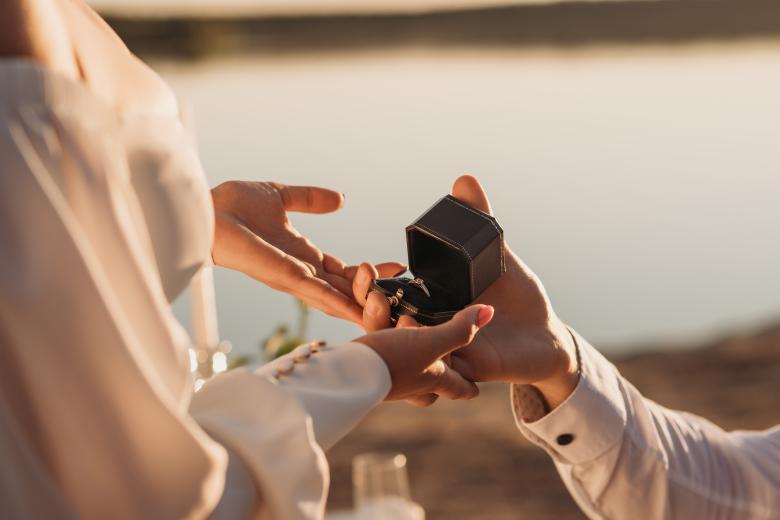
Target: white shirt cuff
column 588, row 423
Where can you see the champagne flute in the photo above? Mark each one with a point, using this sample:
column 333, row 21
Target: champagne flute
column 381, row 488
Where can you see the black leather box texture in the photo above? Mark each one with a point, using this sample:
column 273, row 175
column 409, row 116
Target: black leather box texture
column 457, row 252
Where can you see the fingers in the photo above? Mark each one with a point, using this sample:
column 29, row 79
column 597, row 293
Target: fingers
column 329, row 293
column 468, row 190
column 351, row 271
column 298, row 279
column 390, row 269
column 333, row 265
column 451, row 384
column 361, row 284
column 405, row 321
column 376, row 314
column 456, row 333
column 339, row 282
column 385, row 269
column 462, row 367
column 309, row 199
column 422, row 401
column 320, row 294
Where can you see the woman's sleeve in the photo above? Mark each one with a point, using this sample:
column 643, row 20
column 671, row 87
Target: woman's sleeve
column 279, row 418
column 94, row 378
column 619, row 453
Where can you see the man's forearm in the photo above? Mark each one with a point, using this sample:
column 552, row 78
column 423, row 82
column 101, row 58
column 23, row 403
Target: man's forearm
column 619, row 452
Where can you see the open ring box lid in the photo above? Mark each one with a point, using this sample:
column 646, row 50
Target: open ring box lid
column 457, row 251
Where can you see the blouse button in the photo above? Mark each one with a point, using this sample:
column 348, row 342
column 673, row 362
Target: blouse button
column 316, row 346
column 284, row 367
column 565, row 439
column 302, row 353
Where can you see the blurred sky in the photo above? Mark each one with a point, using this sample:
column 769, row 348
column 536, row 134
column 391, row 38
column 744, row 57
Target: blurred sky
column 286, row 7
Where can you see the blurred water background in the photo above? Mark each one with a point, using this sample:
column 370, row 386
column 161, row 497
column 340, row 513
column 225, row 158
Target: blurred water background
column 631, row 150
column 639, row 180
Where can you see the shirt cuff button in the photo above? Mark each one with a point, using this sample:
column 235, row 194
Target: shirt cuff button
column 565, row 439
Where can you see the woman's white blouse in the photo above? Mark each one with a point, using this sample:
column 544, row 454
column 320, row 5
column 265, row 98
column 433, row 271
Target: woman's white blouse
column 104, row 219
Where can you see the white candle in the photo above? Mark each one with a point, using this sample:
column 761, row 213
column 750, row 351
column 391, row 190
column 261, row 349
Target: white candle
column 204, row 311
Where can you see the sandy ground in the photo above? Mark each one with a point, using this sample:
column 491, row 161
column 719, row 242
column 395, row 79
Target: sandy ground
column 467, row 461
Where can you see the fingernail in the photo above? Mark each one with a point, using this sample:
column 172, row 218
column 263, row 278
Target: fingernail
column 485, row 315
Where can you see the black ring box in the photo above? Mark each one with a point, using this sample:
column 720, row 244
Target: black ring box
column 456, row 251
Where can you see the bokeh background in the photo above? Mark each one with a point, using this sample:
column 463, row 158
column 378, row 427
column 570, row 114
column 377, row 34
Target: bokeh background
column 631, row 150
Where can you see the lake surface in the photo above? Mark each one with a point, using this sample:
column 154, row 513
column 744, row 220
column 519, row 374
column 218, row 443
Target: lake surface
column 641, row 184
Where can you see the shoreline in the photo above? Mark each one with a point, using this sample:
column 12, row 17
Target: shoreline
column 565, row 25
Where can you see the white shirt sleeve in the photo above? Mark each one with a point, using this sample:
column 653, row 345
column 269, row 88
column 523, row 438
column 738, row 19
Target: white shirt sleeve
column 619, row 453
column 279, row 418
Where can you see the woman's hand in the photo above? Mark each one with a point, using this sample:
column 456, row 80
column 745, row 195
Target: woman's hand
column 416, row 356
column 253, row 235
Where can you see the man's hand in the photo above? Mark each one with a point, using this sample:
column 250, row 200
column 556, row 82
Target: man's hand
column 253, row 235
column 526, row 342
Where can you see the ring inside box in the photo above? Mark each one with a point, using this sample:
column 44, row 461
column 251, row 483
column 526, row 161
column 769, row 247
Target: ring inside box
column 455, row 253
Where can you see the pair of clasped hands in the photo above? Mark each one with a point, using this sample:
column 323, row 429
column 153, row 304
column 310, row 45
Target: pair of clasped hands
column 510, row 334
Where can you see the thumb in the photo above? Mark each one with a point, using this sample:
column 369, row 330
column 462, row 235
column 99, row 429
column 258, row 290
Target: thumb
column 456, row 333
column 468, row 190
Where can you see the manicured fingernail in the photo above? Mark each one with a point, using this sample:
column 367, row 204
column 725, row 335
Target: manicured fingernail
column 485, row 315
